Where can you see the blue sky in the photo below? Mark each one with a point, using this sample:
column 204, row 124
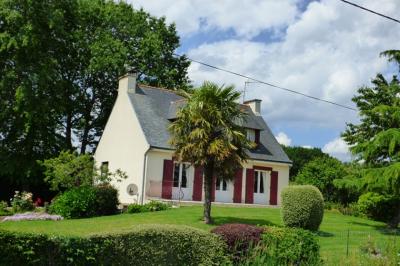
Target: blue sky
column 324, row 48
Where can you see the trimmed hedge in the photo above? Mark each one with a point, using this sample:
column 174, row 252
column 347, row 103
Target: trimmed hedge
column 145, row 245
column 286, row 246
column 85, row 201
column 302, row 206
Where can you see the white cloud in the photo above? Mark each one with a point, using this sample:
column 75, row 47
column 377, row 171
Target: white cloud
column 328, row 52
column 338, row 148
column 283, row 139
column 247, row 18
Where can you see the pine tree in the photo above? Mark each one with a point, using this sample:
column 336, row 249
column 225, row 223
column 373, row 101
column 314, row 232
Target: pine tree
column 376, row 140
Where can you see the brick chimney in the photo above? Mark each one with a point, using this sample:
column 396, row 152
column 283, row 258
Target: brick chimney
column 255, row 106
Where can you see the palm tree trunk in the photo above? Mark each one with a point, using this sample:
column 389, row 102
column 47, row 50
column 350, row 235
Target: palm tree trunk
column 208, row 177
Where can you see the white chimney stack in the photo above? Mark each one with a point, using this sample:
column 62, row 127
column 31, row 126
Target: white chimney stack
column 255, row 106
column 127, row 83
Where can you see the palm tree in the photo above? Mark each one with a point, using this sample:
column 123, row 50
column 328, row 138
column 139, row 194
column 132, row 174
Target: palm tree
column 207, row 133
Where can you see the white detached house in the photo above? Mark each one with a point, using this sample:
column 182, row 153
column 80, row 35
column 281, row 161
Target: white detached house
column 136, row 141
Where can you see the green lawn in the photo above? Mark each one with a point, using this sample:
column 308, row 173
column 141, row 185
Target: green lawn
column 332, row 234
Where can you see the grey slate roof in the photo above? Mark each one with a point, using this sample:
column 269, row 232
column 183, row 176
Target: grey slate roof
column 155, row 107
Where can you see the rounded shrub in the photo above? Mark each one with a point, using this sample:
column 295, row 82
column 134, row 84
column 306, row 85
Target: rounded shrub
column 302, row 206
column 86, row 201
column 144, row 245
column 378, row 206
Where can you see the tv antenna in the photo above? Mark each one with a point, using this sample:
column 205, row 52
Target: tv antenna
column 246, row 83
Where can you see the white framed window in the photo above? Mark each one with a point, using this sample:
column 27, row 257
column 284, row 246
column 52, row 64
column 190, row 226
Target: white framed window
column 104, row 169
column 251, row 134
column 221, row 185
column 180, row 174
column 259, row 181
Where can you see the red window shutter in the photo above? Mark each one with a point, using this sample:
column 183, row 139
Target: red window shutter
column 237, row 186
column 249, row 186
column 257, row 136
column 273, row 197
column 214, row 180
column 166, row 192
column 197, row 183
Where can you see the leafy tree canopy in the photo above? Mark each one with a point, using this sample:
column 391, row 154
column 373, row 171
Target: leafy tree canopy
column 300, row 157
column 59, row 68
column 321, row 172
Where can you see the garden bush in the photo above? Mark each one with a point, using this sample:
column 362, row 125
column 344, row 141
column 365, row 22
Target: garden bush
column 239, row 237
column 285, row 246
column 349, row 209
column 136, row 208
column 378, row 206
column 22, row 202
column 154, row 206
column 145, row 245
column 302, row 206
column 151, row 206
column 3, row 208
column 106, row 200
column 86, row 201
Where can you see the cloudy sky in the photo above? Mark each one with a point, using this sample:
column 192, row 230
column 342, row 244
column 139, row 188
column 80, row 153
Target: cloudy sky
column 324, row 48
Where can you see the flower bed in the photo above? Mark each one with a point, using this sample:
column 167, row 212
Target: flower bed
column 32, row 216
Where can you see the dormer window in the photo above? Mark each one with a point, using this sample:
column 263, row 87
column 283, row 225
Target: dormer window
column 251, row 134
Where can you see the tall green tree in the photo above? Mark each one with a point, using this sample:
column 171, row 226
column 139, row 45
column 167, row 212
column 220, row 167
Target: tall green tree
column 59, row 67
column 376, row 140
column 300, row 156
column 207, row 134
column 31, row 34
column 321, row 172
column 113, row 37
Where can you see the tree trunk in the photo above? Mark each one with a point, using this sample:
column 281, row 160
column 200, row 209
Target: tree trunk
column 85, row 137
column 68, row 132
column 395, row 221
column 208, row 177
column 88, row 122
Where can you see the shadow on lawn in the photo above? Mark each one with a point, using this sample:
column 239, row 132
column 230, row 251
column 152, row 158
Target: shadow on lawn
column 229, row 220
column 383, row 229
column 324, row 234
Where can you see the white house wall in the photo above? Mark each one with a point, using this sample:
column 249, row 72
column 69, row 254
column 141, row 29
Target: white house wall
column 154, row 176
column 123, row 144
column 154, row 172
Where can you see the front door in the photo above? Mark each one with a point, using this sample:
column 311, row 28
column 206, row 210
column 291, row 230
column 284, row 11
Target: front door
column 261, row 187
column 182, row 182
